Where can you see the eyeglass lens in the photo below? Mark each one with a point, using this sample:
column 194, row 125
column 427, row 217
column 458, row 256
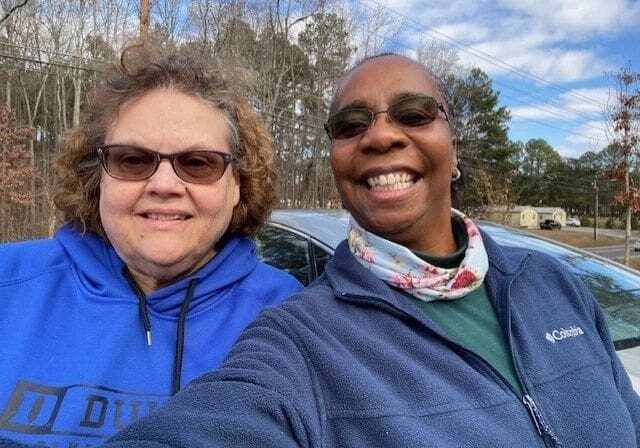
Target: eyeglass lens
column 407, row 112
column 132, row 163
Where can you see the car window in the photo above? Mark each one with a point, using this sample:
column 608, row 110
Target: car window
column 618, row 293
column 285, row 251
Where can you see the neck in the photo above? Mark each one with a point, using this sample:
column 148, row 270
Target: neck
column 150, row 282
column 437, row 239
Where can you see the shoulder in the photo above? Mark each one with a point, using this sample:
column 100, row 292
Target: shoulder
column 314, row 306
column 270, row 285
column 31, row 258
column 270, row 276
column 510, row 259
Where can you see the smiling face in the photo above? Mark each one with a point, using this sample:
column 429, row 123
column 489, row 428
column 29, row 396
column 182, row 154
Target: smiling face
column 396, row 182
column 164, row 227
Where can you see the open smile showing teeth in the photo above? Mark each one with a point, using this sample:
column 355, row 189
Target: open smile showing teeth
column 391, row 181
column 162, row 217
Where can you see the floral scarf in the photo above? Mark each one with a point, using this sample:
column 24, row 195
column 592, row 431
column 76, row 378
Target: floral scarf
column 401, row 268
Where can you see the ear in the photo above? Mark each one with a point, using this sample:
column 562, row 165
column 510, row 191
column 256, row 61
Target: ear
column 454, row 152
column 236, row 187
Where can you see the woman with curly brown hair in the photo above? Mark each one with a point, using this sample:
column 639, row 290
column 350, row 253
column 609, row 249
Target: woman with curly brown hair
column 152, row 278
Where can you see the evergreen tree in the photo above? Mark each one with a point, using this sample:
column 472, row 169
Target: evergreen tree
column 483, row 143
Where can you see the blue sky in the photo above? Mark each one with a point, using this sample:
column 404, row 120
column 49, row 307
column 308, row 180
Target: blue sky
column 552, row 60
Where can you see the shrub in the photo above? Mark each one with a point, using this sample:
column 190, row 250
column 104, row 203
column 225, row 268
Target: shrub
column 611, row 223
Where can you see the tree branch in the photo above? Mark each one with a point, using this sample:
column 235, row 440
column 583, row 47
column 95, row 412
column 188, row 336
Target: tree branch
column 12, row 10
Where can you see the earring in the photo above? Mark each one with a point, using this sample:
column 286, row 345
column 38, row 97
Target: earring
column 456, row 175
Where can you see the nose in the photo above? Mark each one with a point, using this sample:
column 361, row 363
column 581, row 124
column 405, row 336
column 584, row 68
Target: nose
column 383, row 135
column 165, row 181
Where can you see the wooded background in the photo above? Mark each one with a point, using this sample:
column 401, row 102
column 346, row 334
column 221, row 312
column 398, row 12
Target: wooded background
column 289, row 55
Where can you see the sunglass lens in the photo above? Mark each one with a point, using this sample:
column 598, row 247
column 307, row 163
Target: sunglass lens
column 130, row 163
column 200, row 166
column 416, row 111
column 349, row 123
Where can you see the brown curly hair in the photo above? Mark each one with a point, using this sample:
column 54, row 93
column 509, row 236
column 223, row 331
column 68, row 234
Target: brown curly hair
column 141, row 70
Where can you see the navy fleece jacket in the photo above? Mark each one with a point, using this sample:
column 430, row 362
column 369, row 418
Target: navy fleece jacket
column 350, row 362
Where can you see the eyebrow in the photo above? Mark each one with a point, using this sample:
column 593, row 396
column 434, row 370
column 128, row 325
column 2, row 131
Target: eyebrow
column 196, row 147
column 361, row 104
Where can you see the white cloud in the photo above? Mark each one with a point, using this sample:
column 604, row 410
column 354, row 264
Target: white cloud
column 552, row 64
column 568, row 106
column 578, row 19
column 541, row 112
column 571, row 151
column 537, row 36
column 592, row 101
column 466, row 32
column 593, row 135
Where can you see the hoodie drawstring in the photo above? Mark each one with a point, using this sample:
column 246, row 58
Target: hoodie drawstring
column 146, row 323
column 142, row 304
column 177, row 360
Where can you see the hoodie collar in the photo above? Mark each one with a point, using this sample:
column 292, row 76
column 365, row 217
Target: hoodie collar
column 99, row 272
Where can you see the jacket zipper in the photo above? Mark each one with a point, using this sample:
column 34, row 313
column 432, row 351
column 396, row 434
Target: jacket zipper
column 543, row 430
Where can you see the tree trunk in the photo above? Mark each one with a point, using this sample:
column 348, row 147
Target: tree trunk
column 77, row 97
column 144, row 20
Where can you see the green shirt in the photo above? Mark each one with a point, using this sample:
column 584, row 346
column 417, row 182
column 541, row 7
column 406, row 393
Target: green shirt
column 471, row 321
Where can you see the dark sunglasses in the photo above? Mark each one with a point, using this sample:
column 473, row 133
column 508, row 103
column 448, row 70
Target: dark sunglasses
column 128, row 162
column 408, row 112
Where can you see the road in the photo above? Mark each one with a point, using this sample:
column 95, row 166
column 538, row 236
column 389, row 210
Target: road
column 616, row 251
column 611, row 251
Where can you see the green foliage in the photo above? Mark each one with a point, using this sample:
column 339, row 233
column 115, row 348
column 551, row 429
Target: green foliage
column 611, row 223
column 481, row 124
column 585, row 221
column 541, row 169
column 481, row 127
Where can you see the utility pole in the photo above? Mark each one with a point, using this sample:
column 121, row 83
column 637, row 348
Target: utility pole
column 144, row 20
column 595, row 212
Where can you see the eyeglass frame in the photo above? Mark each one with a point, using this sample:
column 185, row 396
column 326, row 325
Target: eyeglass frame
column 373, row 114
column 227, row 158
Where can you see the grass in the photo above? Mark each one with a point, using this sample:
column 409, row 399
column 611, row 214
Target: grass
column 579, row 239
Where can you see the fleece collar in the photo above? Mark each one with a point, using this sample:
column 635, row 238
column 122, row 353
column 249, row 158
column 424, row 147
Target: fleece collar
column 349, row 278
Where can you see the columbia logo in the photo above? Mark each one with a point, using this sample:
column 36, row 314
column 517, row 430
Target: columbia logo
column 562, row 333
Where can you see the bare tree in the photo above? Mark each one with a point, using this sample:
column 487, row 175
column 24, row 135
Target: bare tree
column 374, row 27
column 625, row 118
column 441, row 59
column 11, row 10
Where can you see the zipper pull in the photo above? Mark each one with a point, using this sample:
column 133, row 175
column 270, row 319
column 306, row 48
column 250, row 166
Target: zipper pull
column 533, row 410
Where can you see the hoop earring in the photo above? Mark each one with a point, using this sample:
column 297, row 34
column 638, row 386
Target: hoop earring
column 456, row 175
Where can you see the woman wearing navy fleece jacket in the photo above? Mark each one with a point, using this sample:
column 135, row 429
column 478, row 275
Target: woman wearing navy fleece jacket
column 422, row 332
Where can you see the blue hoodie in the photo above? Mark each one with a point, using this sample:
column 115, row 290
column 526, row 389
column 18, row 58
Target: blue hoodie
column 75, row 365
